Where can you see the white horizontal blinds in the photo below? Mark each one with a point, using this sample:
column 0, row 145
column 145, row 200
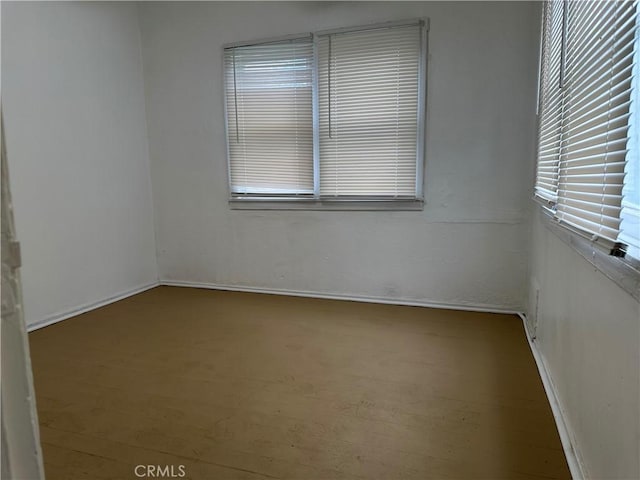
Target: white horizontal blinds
column 599, row 60
column 551, row 102
column 368, row 111
column 269, row 117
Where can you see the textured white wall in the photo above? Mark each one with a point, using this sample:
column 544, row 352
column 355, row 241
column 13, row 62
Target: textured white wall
column 74, row 111
column 589, row 336
column 470, row 244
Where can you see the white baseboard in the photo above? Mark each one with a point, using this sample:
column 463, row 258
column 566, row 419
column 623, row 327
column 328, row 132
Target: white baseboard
column 575, row 465
column 88, row 307
column 471, row 307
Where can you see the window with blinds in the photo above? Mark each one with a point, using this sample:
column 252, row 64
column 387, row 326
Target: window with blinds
column 550, row 104
column 335, row 115
column 269, row 117
column 368, row 97
column 586, row 89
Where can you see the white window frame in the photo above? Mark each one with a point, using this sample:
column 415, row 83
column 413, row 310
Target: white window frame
column 623, row 271
column 315, row 201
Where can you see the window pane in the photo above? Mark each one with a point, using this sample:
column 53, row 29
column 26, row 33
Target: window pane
column 551, row 100
column 368, row 108
column 269, row 117
column 586, row 115
column 630, row 226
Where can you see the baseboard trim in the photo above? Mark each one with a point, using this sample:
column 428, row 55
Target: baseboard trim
column 471, row 307
column 90, row 306
column 575, row 466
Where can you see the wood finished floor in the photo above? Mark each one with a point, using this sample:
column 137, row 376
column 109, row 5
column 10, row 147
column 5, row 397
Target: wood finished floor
column 252, row 386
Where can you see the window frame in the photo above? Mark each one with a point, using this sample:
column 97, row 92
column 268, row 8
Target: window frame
column 624, row 271
column 315, row 201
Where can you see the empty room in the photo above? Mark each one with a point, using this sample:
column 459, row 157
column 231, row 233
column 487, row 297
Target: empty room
column 320, row 240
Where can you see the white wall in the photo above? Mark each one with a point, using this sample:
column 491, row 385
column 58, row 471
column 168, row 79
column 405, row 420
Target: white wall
column 469, row 246
column 589, row 336
column 74, row 113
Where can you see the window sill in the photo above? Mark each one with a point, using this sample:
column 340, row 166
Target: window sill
column 315, row 204
column 624, row 272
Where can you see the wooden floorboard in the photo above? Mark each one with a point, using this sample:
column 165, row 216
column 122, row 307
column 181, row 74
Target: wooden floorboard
column 242, row 385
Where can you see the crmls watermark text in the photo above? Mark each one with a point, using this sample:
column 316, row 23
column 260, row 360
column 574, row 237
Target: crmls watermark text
column 160, row 471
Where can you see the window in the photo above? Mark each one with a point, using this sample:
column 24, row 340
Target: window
column 270, row 124
column 327, row 118
column 630, row 215
column 588, row 158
